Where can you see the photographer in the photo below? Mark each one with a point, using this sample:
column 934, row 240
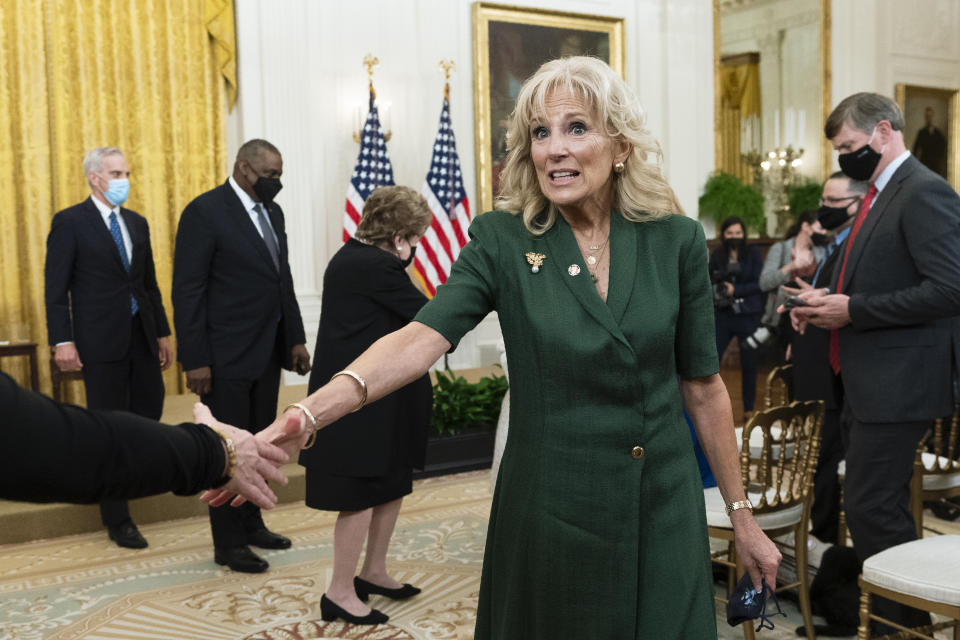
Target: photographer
column 737, row 300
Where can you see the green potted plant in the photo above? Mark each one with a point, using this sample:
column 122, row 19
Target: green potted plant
column 462, row 429
column 725, row 195
column 804, row 197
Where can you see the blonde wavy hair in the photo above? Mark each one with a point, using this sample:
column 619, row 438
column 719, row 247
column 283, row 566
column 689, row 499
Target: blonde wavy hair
column 640, row 192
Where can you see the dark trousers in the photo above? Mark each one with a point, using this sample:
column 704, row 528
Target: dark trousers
column 134, row 384
column 825, row 512
column 877, row 494
column 250, row 405
column 741, row 326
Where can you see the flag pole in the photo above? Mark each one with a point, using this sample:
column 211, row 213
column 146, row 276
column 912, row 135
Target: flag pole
column 448, row 66
column 370, row 61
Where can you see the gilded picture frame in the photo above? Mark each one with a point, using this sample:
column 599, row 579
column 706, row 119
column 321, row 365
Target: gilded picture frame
column 510, row 43
column 935, row 143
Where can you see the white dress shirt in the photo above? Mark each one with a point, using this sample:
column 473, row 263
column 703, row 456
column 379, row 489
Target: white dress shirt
column 888, row 172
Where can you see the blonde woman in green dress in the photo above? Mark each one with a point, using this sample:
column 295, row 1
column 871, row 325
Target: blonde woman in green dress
column 597, row 528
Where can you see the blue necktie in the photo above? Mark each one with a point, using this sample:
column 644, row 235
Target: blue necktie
column 118, row 240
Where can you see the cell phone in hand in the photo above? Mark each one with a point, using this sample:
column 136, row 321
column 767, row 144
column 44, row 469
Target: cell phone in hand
column 794, row 301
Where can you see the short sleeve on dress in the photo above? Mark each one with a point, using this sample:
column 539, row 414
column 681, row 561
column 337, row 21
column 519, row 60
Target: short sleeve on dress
column 696, row 343
column 470, row 292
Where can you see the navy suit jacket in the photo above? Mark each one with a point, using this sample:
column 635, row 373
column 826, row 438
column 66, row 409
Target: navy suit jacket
column 87, row 290
column 231, row 305
column 899, row 353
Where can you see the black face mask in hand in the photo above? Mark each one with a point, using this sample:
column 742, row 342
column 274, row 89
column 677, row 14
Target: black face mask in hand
column 746, row 604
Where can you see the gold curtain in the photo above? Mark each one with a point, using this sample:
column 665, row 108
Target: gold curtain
column 740, row 99
column 144, row 76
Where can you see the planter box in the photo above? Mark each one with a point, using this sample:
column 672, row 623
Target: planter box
column 468, row 450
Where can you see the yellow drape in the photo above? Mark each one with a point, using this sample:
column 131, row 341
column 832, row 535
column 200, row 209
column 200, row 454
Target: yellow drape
column 740, row 87
column 144, row 76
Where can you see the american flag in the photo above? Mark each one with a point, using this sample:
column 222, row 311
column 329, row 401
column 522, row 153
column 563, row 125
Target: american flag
column 373, row 169
column 447, row 199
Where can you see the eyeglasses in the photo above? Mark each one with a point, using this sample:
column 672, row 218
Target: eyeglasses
column 833, row 201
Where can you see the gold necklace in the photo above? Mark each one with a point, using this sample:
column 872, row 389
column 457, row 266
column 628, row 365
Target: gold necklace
column 593, row 261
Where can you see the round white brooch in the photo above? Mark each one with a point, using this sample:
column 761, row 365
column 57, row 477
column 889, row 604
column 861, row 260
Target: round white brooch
column 573, row 269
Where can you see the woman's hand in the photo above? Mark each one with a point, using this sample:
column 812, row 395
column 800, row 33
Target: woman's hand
column 257, row 462
column 759, row 556
column 287, row 434
column 802, row 258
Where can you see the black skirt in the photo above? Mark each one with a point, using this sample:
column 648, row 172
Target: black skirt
column 330, row 492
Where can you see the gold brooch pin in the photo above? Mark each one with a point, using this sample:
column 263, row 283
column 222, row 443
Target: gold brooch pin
column 535, row 260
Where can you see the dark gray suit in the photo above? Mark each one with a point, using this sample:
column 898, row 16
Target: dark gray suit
column 898, row 355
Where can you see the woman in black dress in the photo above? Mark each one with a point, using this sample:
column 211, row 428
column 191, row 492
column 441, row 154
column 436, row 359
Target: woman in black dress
column 362, row 464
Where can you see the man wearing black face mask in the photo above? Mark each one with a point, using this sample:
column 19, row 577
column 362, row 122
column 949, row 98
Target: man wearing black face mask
column 237, row 321
column 893, row 321
column 813, row 378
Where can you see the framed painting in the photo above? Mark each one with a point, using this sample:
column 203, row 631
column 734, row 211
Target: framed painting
column 510, row 43
column 932, row 127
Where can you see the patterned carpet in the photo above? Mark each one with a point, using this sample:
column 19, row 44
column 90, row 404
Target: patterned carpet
column 84, row 587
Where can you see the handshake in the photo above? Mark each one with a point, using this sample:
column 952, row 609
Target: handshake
column 258, row 457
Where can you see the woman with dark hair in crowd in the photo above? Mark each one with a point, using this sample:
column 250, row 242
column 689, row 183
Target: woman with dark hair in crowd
column 796, row 256
column 735, row 272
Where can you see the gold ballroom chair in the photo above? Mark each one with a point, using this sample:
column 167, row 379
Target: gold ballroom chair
column 936, row 470
column 780, row 488
column 924, row 574
column 780, row 386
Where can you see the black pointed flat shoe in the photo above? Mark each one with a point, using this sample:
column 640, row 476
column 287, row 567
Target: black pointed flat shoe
column 330, row 611
column 364, row 589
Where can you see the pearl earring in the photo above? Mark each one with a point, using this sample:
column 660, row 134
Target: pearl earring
column 618, row 167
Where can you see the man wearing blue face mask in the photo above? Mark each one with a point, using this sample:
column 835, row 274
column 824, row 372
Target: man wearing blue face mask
column 894, row 321
column 105, row 315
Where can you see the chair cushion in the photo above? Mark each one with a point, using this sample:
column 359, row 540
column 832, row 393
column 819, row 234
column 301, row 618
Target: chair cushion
column 941, row 480
column 928, row 568
column 717, row 511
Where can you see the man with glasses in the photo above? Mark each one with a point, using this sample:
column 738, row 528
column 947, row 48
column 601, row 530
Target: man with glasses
column 813, row 379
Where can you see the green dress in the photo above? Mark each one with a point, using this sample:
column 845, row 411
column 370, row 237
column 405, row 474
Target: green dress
column 591, row 536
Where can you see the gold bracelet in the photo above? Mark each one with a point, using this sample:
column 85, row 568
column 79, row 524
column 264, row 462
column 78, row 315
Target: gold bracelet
column 313, row 422
column 360, row 381
column 739, row 504
column 231, row 451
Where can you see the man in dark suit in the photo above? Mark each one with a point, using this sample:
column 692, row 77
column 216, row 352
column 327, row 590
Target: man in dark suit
column 813, row 379
column 238, row 321
column 893, row 320
column 105, row 315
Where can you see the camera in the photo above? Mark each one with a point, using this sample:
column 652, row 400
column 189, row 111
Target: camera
column 759, row 337
column 719, row 278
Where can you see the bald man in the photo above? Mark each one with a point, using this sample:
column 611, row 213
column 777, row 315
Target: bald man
column 237, row 321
